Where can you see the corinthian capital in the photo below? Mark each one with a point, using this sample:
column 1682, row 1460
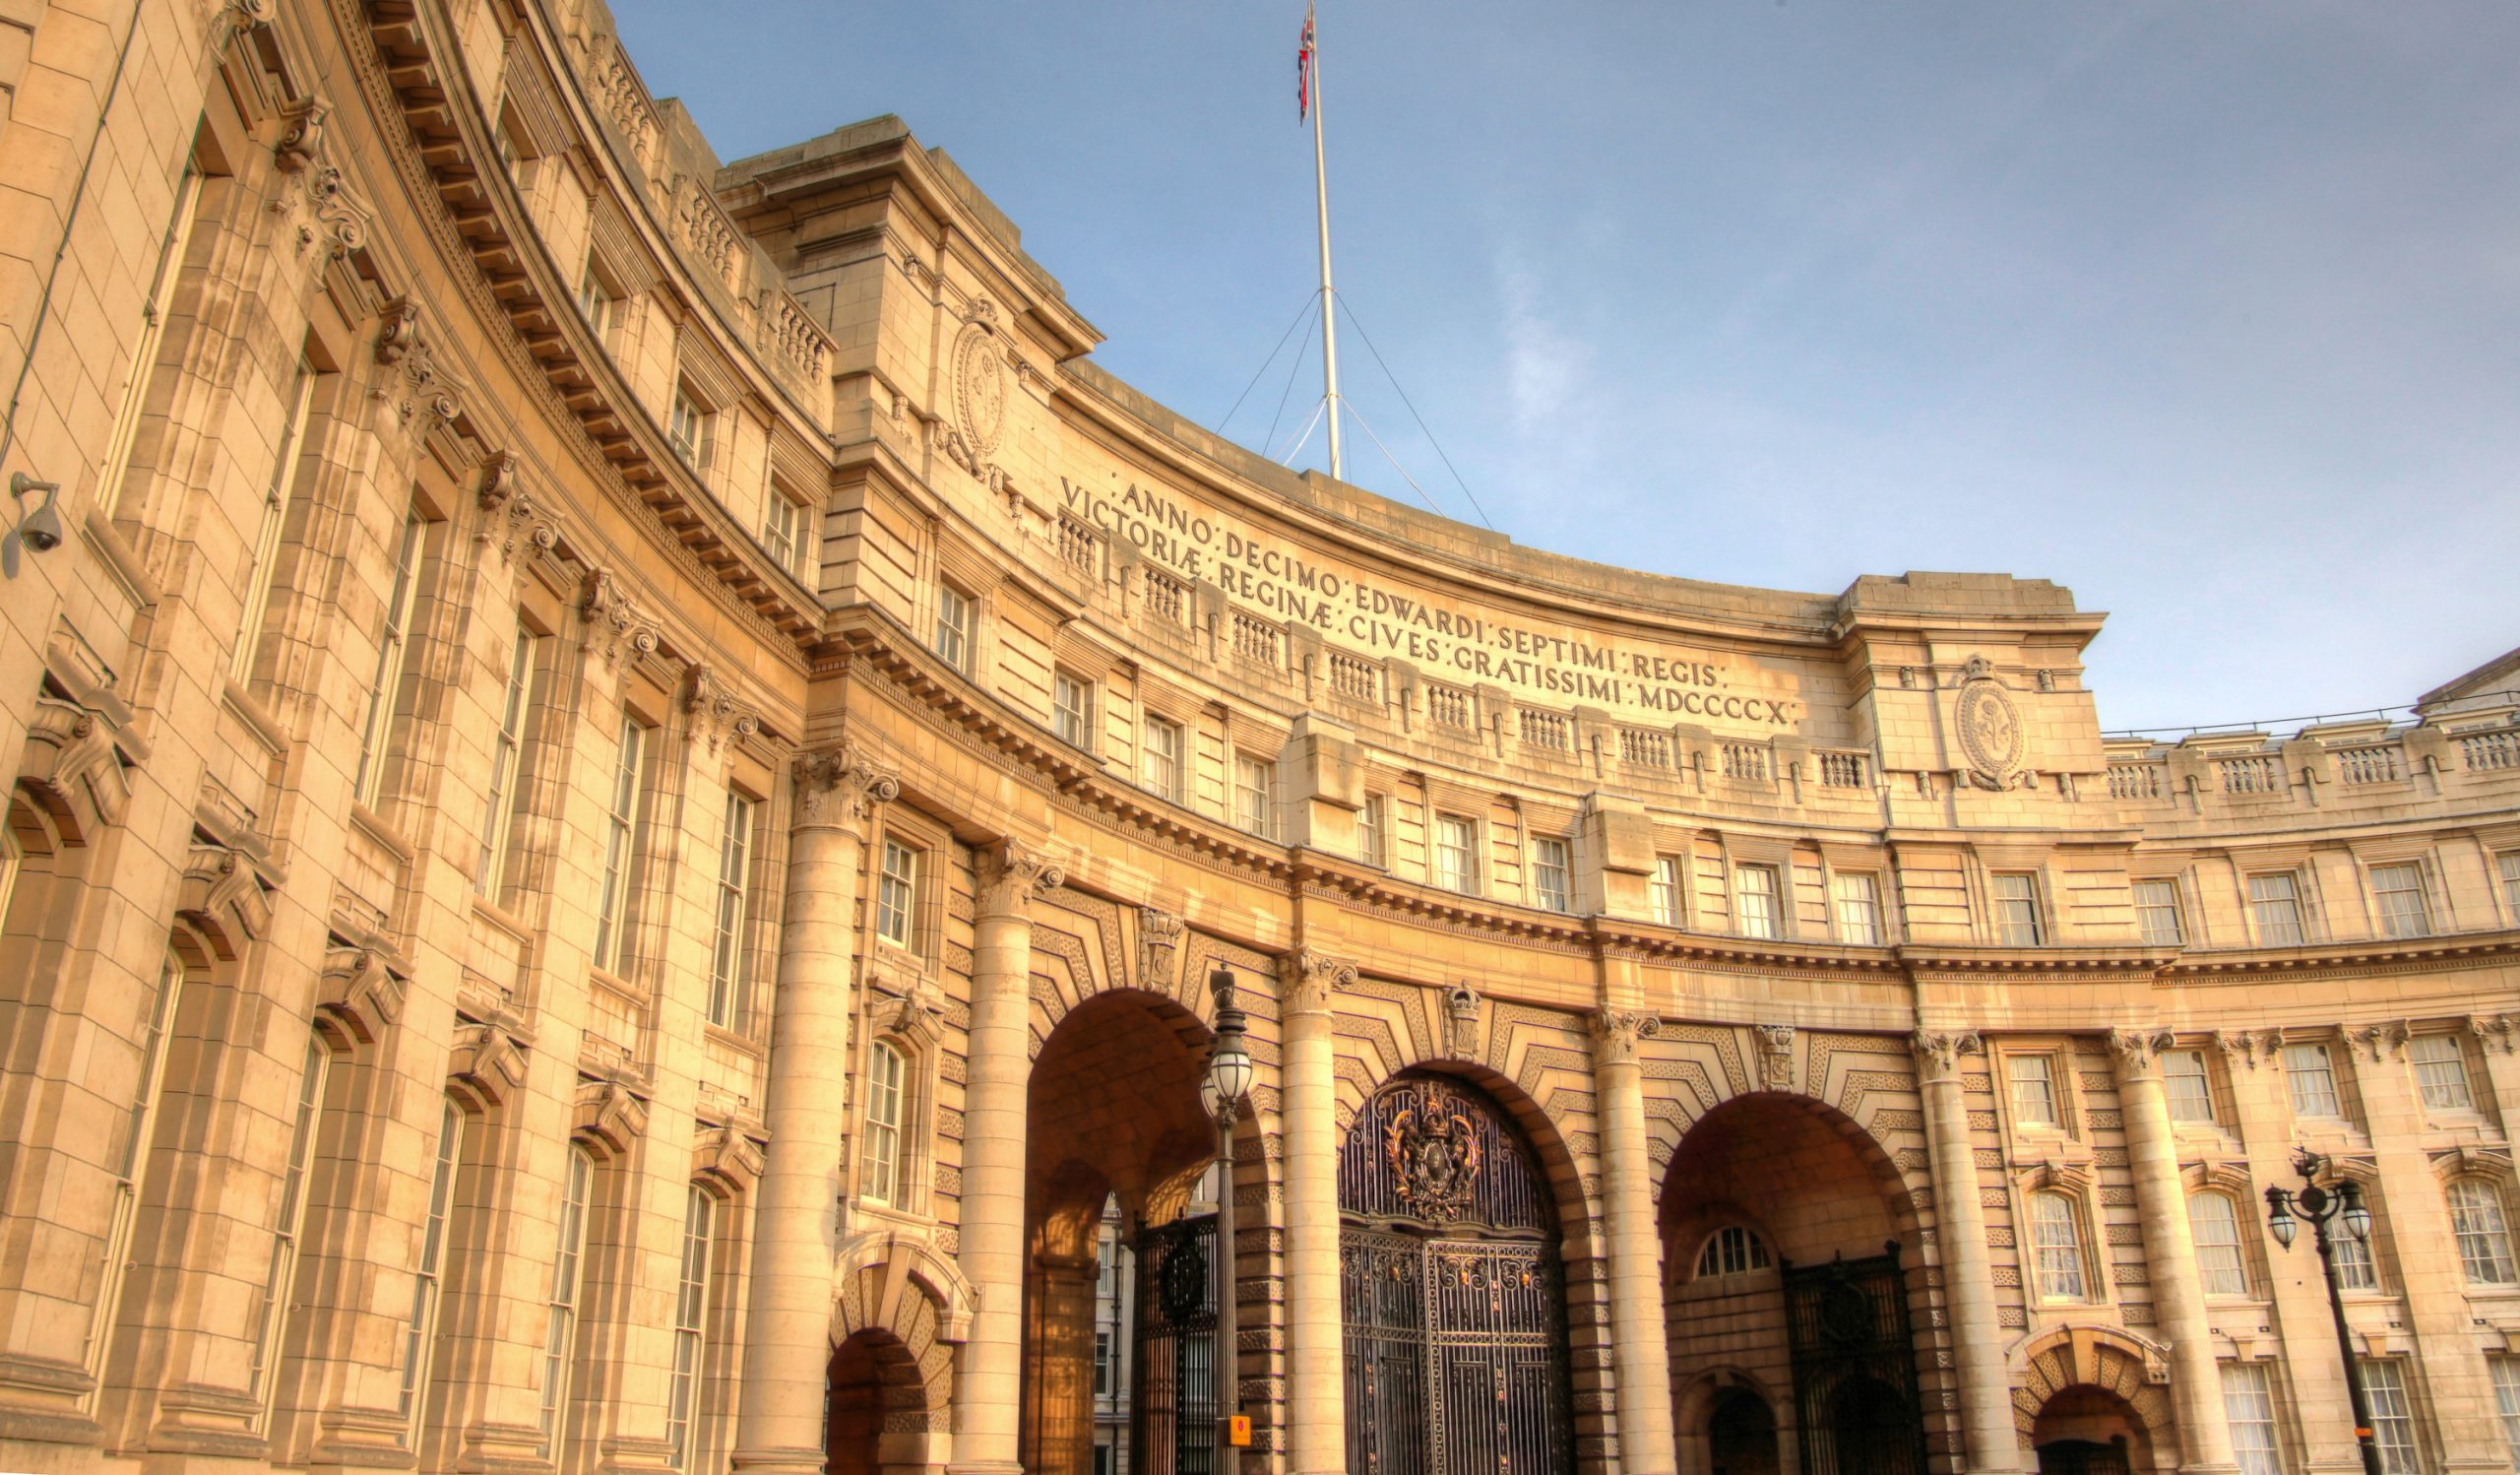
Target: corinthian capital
column 1615, row 1031
column 1307, row 979
column 2137, row 1049
column 1012, row 873
column 1939, row 1052
column 841, row 786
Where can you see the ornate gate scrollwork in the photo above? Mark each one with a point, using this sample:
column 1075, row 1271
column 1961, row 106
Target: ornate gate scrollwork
column 1175, row 1410
column 1854, row 1368
column 1453, row 1294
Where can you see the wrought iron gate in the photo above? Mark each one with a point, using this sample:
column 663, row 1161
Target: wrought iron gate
column 1453, row 1295
column 1855, row 1406
column 1175, row 1405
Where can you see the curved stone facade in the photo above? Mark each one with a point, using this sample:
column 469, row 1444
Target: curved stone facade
column 631, row 773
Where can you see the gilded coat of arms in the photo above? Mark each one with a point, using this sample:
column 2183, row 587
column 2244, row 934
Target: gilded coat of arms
column 1434, row 1158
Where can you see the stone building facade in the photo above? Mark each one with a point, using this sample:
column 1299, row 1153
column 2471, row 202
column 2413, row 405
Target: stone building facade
column 630, row 772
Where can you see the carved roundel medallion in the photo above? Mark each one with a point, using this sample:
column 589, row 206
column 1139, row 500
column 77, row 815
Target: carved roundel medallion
column 980, row 387
column 1990, row 726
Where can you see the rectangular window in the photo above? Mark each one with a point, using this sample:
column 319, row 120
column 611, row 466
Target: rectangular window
column 1666, row 888
column 2482, row 1232
column 883, row 1124
column 560, row 1324
column 1856, row 896
column 2248, row 1407
column 2275, row 901
column 778, row 527
column 2309, row 1078
column 422, row 1331
column 1102, row 1374
column 1372, row 821
column 2506, row 1402
column 690, row 1321
column 288, row 1221
column 2441, row 1072
column 2017, row 921
column 730, row 970
column 257, row 586
column 393, row 649
column 621, row 845
column 1456, row 853
column 2509, row 863
column 1072, row 710
column 2392, row 1416
column 2157, row 913
column 2354, row 1270
column 135, row 1153
column 2057, row 1233
column 2185, row 1082
column 1754, row 893
column 692, row 431
column 594, row 300
column 1550, row 879
column 954, row 626
column 507, row 747
column 154, row 310
column 1255, row 798
column 2033, row 1089
column 2214, row 1226
column 1159, row 764
column 2399, row 891
column 897, row 894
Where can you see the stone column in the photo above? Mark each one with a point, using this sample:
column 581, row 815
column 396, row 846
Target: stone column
column 1968, row 1283
column 987, row 1396
column 2170, row 1251
column 1316, row 1351
column 1643, row 1355
column 797, row 1228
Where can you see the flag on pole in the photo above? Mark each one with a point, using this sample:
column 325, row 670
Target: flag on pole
column 1304, row 69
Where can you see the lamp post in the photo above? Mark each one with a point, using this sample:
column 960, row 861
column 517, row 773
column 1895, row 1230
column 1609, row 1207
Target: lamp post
column 1222, row 1090
column 2321, row 1207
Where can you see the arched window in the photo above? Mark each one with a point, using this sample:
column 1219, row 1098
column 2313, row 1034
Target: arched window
column 560, row 1332
column 885, row 1070
column 1733, row 1251
column 2057, row 1231
column 2485, row 1241
column 2214, row 1223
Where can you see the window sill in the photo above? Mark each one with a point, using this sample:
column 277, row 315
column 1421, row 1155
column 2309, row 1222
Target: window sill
column 742, row 1044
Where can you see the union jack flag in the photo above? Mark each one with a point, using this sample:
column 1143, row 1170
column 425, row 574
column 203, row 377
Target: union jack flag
column 1304, row 69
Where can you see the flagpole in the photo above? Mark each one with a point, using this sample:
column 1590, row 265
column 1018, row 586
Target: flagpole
column 1321, row 201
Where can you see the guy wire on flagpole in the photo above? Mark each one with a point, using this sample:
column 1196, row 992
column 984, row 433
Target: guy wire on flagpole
column 1321, row 201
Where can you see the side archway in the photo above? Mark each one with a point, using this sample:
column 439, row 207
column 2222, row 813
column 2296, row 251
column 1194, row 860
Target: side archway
column 2085, row 1399
column 901, row 1309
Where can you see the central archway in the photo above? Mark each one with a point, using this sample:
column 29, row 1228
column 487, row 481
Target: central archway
column 1452, row 1289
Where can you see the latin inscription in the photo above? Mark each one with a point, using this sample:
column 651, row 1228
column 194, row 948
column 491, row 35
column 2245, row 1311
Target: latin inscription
column 1448, row 642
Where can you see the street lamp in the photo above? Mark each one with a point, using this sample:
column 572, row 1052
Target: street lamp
column 2321, row 1207
column 1221, row 1091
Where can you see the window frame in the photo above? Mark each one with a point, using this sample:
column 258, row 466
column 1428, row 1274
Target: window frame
column 691, row 429
column 1771, row 927
column 568, row 1291
column 1072, row 722
column 1373, row 830
column 1460, row 878
column 2166, row 903
column 2046, row 1254
column 885, row 1172
column 2401, row 911
column 2261, row 1393
column 2294, row 1074
column 503, row 793
column 729, row 958
column 1557, row 895
column 2260, row 906
column 956, row 641
column 2485, row 1249
column 624, row 840
column 1731, row 1250
column 393, row 656
column 2019, row 1067
column 2399, row 1419
column 2222, row 1263
column 1867, row 907
column 1162, row 764
column 2020, row 920
column 897, row 889
column 686, row 1397
column 1255, row 795
column 1664, row 891
column 2203, row 1077
column 277, row 493
column 2426, row 1090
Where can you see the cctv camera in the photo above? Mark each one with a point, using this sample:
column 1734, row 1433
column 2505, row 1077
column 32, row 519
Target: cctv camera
column 42, row 529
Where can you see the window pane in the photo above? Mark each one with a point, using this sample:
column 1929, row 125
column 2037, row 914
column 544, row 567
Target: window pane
column 1550, row 880
column 2477, row 1223
column 884, row 1124
column 2399, row 891
column 691, row 1306
column 1160, row 763
column 1455, row 858
column 1756, row 885
column 2033, row 1089
column 620, row 825
column 2157, row 913
column 2190, row 1093
column 391, row 643
column 2510, row 864
column 2440, row 1072
column 727, row 973
column 2017, row 911
column 897, row 893
column 498, row 805
column 2249, row 1406
column 953, row 626
column 1859, row 906
column 2506, row 1402
column 1667, row 890
column 1071, row 707
column 2310, row 1080
column 2354, row 1267
column 2276, row 902
column 2215, row 1224
column 2056, row 1230
column 2392, row 1417
column 1369, row 831
column 1254, row 797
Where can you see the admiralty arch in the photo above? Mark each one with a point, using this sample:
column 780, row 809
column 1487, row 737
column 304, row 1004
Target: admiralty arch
column 634, row 779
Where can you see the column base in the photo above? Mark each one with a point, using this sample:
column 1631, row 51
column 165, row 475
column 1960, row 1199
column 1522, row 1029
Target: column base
column 780, row 1461
column 984, row 1468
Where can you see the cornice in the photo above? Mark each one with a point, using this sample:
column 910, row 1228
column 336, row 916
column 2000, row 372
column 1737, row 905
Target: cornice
column 2455, row 950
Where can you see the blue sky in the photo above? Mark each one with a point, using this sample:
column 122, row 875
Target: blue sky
column 2210, row 312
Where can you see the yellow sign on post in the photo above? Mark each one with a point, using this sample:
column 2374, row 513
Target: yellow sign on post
column 1238, row 1431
